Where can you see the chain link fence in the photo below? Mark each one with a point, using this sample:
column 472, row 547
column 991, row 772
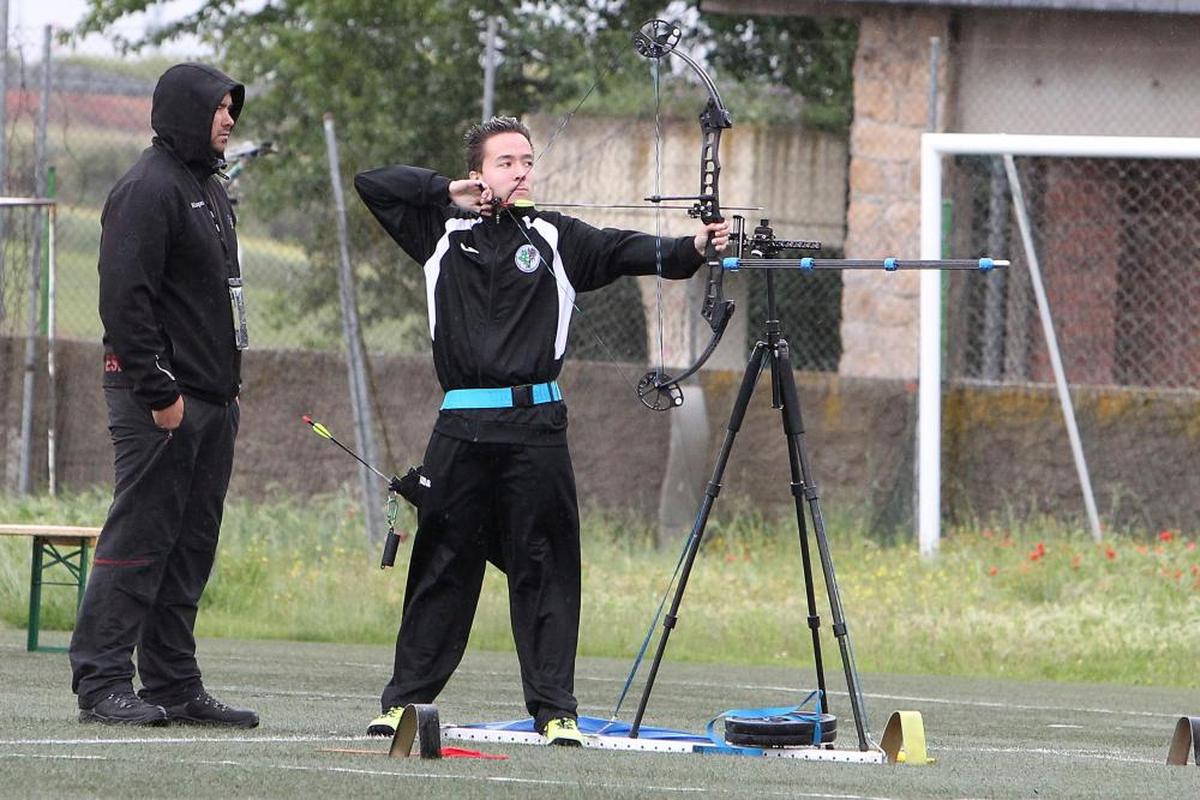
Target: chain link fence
column 98, row 125
column 1117, row 242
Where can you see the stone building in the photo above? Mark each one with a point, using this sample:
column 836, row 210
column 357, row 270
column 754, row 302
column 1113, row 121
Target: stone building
column 1095, row 67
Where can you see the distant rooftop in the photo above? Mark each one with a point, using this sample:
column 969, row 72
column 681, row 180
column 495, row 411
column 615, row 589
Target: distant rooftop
column 1104, row 6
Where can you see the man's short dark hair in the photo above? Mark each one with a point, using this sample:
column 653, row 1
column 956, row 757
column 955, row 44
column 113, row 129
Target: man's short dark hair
column 478, row 134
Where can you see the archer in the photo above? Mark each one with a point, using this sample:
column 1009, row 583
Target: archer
column 501, row 278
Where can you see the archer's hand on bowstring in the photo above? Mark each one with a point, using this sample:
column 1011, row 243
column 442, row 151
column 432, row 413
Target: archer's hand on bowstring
column 472, row 195
column 719, row 231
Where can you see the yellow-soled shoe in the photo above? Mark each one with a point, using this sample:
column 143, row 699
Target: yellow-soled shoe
column 385, row 724
column 563, row 731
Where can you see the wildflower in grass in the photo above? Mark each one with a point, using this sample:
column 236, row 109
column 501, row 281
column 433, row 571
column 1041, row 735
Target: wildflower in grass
column 993, row 570
column 1144, row 549
column 1166, row 536
column 1110, row 554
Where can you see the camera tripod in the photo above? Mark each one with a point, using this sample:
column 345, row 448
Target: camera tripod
column 773, row 351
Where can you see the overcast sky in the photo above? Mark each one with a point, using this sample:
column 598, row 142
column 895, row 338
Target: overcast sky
column 28, row 18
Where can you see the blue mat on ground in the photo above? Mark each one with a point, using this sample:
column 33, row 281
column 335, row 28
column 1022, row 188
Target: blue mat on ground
column 595, row 726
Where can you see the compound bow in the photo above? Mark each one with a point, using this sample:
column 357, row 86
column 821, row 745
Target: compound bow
column 655, row 40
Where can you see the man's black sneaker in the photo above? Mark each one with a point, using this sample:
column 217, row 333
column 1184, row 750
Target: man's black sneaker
column 204, row 709
column 124, row 708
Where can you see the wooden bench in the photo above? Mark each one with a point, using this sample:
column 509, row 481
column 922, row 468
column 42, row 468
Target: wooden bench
column 74, row 542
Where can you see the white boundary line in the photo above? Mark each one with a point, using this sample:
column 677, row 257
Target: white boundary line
column 500, row 779
column 604, row 710
column 193, row 740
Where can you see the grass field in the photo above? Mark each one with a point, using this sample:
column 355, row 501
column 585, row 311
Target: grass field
column 990, row 738
column 1023, row 600
column 971, row 639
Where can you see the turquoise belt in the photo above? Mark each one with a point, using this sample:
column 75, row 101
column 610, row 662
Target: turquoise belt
column 529, row 394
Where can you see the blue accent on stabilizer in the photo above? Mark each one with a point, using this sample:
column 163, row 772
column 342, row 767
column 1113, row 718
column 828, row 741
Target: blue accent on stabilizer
column 732, row 263
column 807, row 264
column 890, row 264
column 986, row 264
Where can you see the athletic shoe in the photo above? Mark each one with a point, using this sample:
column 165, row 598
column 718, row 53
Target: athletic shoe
column 204, row 709
column 124, row 708
column 385, row 724
column 563, row 731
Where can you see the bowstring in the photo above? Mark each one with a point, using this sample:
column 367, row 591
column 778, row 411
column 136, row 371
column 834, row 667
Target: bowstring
column 658, row 278
column 503, row 207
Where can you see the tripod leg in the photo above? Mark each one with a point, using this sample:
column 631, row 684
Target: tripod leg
column 794, row 426
column 754, row 368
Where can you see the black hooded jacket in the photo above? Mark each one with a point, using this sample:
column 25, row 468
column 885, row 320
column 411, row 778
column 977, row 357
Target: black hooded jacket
column 167, row 249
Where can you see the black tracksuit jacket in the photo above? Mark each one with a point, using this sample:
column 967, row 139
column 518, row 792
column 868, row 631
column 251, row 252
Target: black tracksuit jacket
column 167, row 249
column 497, row 316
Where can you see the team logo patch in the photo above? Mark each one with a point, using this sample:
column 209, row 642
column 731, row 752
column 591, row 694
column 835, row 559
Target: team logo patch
column 527, row 258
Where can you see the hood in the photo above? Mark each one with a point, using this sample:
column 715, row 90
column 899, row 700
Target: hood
column 185, row 100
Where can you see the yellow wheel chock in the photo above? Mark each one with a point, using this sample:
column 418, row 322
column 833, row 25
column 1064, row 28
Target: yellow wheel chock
column 418, row 723
column 904, row 739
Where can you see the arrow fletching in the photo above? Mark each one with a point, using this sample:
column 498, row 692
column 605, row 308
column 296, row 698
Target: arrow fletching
column 317, row 428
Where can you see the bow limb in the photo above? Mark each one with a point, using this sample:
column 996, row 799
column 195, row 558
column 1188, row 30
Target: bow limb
column 655, row 40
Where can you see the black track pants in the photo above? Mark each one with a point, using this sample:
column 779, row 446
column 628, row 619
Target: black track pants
column 518, row 503
column 155, row 552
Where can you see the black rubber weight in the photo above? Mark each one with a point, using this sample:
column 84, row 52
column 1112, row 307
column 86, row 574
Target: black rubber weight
column 778, row 731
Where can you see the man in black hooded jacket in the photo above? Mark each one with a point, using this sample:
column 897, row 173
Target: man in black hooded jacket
column 170, row 300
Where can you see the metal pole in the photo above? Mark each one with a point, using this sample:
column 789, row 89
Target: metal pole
column 1060, row 378
column 51, row 360
column 35, row 282
column 489, row 70
column 929, row 384
column 3, row 139
column 995, row 288
column 935, row 52
column 926, row 508
column 364, row 424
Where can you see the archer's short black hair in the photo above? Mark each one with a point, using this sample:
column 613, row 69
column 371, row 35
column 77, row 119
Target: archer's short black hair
column 478, row 134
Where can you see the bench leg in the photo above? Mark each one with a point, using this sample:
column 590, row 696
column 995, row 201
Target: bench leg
column 83, row 573
column 35, row 597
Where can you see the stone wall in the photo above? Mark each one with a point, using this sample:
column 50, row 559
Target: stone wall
column 1004, row 449
column 891, row 110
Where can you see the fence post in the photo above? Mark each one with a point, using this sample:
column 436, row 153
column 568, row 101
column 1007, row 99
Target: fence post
column 364, row 424
column 3, row 135
column 35, row 278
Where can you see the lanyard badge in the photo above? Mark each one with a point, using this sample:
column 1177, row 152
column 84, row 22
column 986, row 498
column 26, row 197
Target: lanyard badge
column 237, row 301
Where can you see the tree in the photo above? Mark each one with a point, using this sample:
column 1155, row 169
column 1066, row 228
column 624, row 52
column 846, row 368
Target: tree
column 402, row 79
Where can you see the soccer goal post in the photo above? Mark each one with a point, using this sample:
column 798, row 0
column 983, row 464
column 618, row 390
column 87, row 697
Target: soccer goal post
column 1071, row 151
